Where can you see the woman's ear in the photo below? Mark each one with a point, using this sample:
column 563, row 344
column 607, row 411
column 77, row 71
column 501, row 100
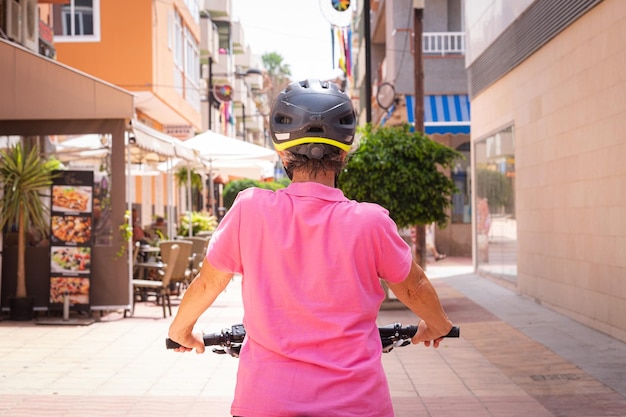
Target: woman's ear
column 281, row 155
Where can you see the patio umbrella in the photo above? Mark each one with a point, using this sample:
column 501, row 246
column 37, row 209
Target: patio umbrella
column 215, row 147
column 223, row 153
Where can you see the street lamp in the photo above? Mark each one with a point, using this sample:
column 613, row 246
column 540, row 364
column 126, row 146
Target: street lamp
column 243, row 75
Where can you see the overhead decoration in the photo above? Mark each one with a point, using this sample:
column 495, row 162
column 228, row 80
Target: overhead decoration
column 337, row 12
column 223, row 92
column 226, row 117
column 343, row 38
column 341, row 5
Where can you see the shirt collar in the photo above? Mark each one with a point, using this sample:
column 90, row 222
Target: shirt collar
column 315, row 189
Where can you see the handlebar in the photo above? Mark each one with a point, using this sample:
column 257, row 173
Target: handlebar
column 396, row 335
column 230, row 340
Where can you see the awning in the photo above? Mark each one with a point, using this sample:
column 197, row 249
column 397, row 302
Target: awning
column 152, row 140
column 148, row 145
column 442, row 113
column 36, row 88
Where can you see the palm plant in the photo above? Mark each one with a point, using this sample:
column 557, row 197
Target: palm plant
column 24, row 177
column 195, row 181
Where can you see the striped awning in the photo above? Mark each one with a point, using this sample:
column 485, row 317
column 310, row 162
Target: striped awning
column 442, row 113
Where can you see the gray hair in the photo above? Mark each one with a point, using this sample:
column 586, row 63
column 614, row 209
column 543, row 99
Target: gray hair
column 333, row 162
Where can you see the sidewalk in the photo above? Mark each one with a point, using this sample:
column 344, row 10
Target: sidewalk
column 514, row 358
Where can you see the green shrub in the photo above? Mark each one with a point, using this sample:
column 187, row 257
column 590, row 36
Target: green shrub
column 401, row 171
column 200, row 222
column 234, row 187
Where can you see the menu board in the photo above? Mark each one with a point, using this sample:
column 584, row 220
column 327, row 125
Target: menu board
column 71, row 239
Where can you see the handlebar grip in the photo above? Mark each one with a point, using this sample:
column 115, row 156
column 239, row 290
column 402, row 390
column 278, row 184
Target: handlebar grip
column 170, row 344
column 454, row 332
column 212, row 339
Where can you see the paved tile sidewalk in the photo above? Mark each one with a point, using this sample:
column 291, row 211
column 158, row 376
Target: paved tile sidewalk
column 514, row 358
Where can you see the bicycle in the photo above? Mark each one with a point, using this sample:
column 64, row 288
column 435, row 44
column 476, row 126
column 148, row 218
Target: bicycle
column 229, row 341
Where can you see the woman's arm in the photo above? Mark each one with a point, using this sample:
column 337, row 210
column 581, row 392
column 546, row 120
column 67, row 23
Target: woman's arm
column 200, row 295
column 418, row 293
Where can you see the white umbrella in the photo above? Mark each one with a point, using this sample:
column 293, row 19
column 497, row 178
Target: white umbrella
column 223, row 153
column 255, row 169
column 215, row 147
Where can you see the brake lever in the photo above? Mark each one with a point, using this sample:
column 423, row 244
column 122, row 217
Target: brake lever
column 398, row 343
column 232, row 350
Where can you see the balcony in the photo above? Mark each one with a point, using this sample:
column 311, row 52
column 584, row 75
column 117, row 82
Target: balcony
column 218, row 8
column 443, row 43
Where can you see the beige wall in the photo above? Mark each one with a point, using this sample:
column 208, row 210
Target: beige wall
column 567, row 103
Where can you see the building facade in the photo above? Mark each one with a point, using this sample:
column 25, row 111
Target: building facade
column 547, row 144
column 150, row 48
column 42, row 99
column 228, row 62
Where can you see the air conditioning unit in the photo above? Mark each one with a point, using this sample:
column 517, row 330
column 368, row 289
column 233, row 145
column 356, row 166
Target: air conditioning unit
column 13, row 20
column 30, row 25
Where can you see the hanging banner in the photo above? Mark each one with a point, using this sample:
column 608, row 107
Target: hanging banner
column 71, row 239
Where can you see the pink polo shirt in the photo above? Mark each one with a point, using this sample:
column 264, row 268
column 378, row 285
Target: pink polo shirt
column 311, row 261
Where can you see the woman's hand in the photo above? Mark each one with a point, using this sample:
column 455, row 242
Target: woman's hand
column 188, row 342
column 426, row 335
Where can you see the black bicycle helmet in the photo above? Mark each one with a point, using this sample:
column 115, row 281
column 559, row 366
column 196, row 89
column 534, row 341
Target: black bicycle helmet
column 310, row 117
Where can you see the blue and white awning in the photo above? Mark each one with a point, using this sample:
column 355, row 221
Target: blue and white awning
column 442, row 113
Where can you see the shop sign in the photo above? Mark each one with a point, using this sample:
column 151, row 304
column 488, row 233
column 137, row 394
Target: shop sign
column 71, row 239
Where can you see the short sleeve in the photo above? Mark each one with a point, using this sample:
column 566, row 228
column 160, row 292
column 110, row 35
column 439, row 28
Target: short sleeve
column 395, row 260
column 224, row 251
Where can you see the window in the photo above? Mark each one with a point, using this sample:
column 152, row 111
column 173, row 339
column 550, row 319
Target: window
column 192, row 71
column 461, row 211
column 186, row 56
column 496, row 225
column 77, row 20
column 179, row 52
column 194, row 9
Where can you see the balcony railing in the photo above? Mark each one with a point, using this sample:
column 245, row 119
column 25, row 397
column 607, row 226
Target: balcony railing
column 443, row 43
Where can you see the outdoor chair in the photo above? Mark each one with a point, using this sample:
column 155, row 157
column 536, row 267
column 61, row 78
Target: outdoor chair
column 160, row 288
column 182, row 273
column 198, row 252
column 136, row 248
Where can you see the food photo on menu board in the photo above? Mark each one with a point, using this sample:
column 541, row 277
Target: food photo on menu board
column 76, row 288
column 71, row 198
column 70, row 260
column 71, row 229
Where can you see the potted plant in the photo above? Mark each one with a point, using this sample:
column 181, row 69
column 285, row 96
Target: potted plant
column 25, row 178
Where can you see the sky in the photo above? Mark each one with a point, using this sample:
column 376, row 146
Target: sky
column 295, row 29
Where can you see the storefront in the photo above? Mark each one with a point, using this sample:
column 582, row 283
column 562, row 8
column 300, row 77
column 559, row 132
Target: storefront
column 43, row 98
